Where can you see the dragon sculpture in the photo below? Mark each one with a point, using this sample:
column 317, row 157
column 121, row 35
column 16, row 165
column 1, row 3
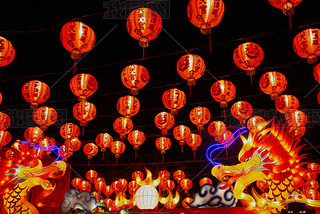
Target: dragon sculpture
column 21, row 173
column 271, row 155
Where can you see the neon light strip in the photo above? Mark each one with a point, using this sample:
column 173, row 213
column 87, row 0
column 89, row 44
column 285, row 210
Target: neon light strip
column 51, row 148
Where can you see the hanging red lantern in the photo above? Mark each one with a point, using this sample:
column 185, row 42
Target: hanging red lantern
column 47, row 144
column 123, row 126
column 187, row 201
column 117, row 147
column 45, row 116
column 73, row 144
column 297, row 119
column 5, row 138
column 85, row 186
column 134, row 77
column 164, row 121
column 69, row 131
column 90, row 149
column 312, row 184
column 133, row 186
column 64, row 153
column 84, row 112
column 99, row 186
column 313, row 167
column 33, row 134
column 179, row 175
column 191, row 67
column 37, row 153
column 273, row 83
column 312, row 194
column 241, row 110
column 98, row 179
column 96, row 195
column 4, row 121
column 316, row 73
column 136, row 138
column 137, row 174
column 22, row 147
column 108, row 191
column 306, row 44
column 83, row 86
column 205, row 14
column 167, row 184
column 194, row 141
column 223, row 91
column 91, row 175
column 104, row 140
column 200, row 116
column 204, row 181
column 181, row 133
column 254, row 123
column 35, row 92
column 216, row 129
column 7, row 52
column 124, row 183
column 174, row 99
column 227, row 138
column 287, row 104
column 116, row 186
column 163, row 144
column 164, row 175
column 128, row 106
column 76, row 182
column 186, row 184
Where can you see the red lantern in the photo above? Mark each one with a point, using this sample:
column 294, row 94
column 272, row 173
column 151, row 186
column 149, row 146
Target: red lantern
column 306, row 44
column 137, row 174
column 136, row 138
column 167, row 184
column 191, row 67
column 223, row 91
column 10, row 154
column 164, row 121
column 91, row 175
column 204, row 181
column 181, row 133
column 164, row 175
column 134, row 77
column 254, row 123
column 64, row 153
column 179, row 175
column 90, row 149
column 186, row 184
column 4, row 121
column 241, row 110
column 84, row 112
column 69, row 131
column 83, row 86
column 73, row 144
column 144, row 24
column 99, row 186
column 133, row 186
column 312, row 194
column 45, row 116
column 76, row 182
column 194, row 141
column 98, row 179
column 312, row 184
column 316, row 73
column 227, row 138
column 185, row 201
column 297, row 132
column 123, row 126
column 7, row 52
column 314, row 167
column 107, row 191
column 47, row 144
column 128, row 106
column 163, row 144
column 174, row 99
column 104, row 140
column 273, row 83
column 297, row 119
column 96, row 195
column 124, row 183
column 21, row 147
column 200, row 116
column 33, row 134
column 116, row 186
column 117, row 148
column 287, row 104
column 37, row 153
column 216, row 129
column 35, row 92
column 85, row 186
column 205, row 14
column 5, row 138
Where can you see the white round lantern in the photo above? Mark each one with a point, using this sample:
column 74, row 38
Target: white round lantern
column 147, row 197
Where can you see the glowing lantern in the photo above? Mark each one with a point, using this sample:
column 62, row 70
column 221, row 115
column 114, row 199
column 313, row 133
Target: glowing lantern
column 133, row 186
column 83, row 86
column 116, row 186
column 194, row 141
column 306, row 44
column 85, row 186
column 73, row 145
column 84, row 112
column 108, row 191
column 124, row 183
column 312, row 184
column 5, row 138
column 146, row 197
column 76, row 182
column 35, row 92
column 128, row 106
column 181, row 133
column 134, row 77
column 216, row 129
column 254, row 123
column 287, row 104
column 33, row 134
column 37, row 153
column 191, row 67
column 98, row 179
column 297, row 119
column 90, row 149
column 144, row 24
column 273, row 83
column 204, row 181
column 185, row 201
column 163, row 144
column 316, row 73
column 137, row 174
column 69, row 131
column 21, row 147
column 223, row 91
column 167, row 184
column 312, row 194
column 205, row 14
column 4, row 121
column 99, row 186
column 77, row 38
column 45, row 116
column 136, row 138
column 164, row 175
column 7, row 52
column 241, row 110
column 91, row 175
column 96, row 195
column 174, row 99
column 117, row 148
column 179, row 175
column 104, row 140
column 248, row 56
column 313, row 167
column 227, row 138
column 123, row 126
column 10, row 154
column 200, row 116
column 186, row 184
column 164, row 121
column 47, row 144
column 297, row 132
column 65, row 153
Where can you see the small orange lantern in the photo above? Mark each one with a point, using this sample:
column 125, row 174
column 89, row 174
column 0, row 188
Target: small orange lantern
column 312, row 184
column 104, row 140
column 194, row 141
column 273, row 83
column 187, row 201
column 33, row 134
column 108, row 191
column 164, row 121
column 123, row 126
column 287, row 104
column 167, row 184
column 35, row 92
column 216, row 129
column 313, row 167
column 117, row 147
column 10, row 154
column 174, row 99
column 37, row 153
column 47, row 144
column 98, row 179
column 4, row 121
column 223, row 91
column 96, row 195
column 99, row 186
column 204, row 181
column 91, row 175
column 134, row 77
column 164, row 175
column 7, row 52
column 64, row 153
column 163, row 144
column 128, row 106
column 90, row 149
column 200, row 116
column 84, row 112
column 306, row 44
column 191, row 67
column 297, row 119
column 133, row 186
column 241, row 110
column 186, row 184
column 137, row 174
column 227, row 138
column 69, row 131
column 179, row 175
column 83, row 86
column 181, row 133
column 297, row 132
column 136, row 138
column 85, row 186
column 5, row 138
column 116, row 186
column 76, row 182
column 254, row 123
column 124, row 183
column 45, row 116
column 73, row 144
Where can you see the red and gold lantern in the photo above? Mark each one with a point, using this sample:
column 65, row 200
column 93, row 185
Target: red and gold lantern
column 76, row 182
column 164, row 121
column 204, row 181
column 117, row 147
column 47, row 144
column 69, row 131
column 163, row 144
column 45, row 116
column 179, row 175
column 174, row 99
column 136, row 138
column 273, row 83
column 33, row 135
column 223, row 91
column 133, row 186
column 297, row 119
column 254, row 123
column 187, row 201
column 128, row 106
column 216, row 129
column 134, row 77
column 123, row 126
column 90, row 149
column 194, row 141
column 85, row 186
column 83, row 86
column 181, row 133
column 100, row 186
column 167, row 184
column 4, row 121
column 164, row 175
column 186, row 184
column 191, row 67
column 241, row 110
column 200, row 116
column 35, row 92
column 104, row 140
column 316, row 73
column 137, row 174
column 116, row 186
column 108, row 191
column 7, row 52
column 84, row 112
column 287, row 104
column 227, row 138
column 73, row 144
column 5, row 138
column 91, row 175
column 64, row 153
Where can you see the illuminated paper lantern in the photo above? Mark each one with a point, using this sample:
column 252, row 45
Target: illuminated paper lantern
column 33, row 135
column 83, row 86
column 117, row 147
column 90, row 150
column 241, row 110
column 186, row 184
column 194, row 141
column 287, row 104
column 123, row 126
column 216, row 129
column 223, row 91
column 200, row 116
column 7, row 52
column 181, row 133
column 136, row 138
column 76, row 182
column 204, row 181
column 134, row 77
column 5, row 138
column 147, row 197
column 91, row 175
column 179, row 175
column 73, row 144
column 128, row 106
column 45, row 116
column 273, row 83
column 4, row 121
column 191, row 67
column 35, row 92
column 104, row 140
column 174, row 99
column 254, row 123
column 164, row 121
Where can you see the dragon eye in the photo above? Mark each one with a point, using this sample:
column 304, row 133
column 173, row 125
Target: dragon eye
column 247, row 159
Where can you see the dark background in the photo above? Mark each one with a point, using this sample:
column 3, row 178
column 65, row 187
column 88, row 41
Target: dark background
column 33, row 28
